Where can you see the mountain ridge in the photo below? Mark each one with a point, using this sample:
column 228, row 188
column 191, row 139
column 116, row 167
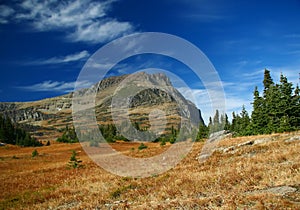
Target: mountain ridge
column 56, row 112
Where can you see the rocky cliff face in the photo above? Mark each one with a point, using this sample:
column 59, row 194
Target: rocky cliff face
column 19, row 114
column 156, row 92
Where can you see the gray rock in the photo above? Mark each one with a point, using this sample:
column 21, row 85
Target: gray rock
column 279, row 190
column 293, row 138
column 263, row 140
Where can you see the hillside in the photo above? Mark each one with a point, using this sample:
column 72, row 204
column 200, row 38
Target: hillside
column 263, row 174
column 48, row 116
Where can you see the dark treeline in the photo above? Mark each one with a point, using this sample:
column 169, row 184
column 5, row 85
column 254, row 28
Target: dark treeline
column 12, row 134
column 276, row 110
column 69, row 136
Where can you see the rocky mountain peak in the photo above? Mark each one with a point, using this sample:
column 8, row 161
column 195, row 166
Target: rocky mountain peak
column 155, row 91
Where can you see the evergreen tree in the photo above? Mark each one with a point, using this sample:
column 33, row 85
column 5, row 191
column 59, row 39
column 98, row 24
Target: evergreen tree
column 74, row 162
column 216, row 120
column 227, row 125
column 285, row 104
column 258, row 118
column 245, row 122
column 295, row 110
column 297, row 90
column 217, row 123
column 210, row 124
column 69, row 136
column 202, row 133
column 278, row 109
column 268, row 81
column 272, row 103
column 12, row 134
column 241, row 123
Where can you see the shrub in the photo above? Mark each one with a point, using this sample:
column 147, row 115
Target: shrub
column 74, row 162
column 142, row 146
column 34, row 153
column 172, row 140
column 69, row 136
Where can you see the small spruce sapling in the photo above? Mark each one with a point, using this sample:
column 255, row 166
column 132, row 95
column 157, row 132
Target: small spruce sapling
column 74, row 162
column 34, row 153
column 142, row 146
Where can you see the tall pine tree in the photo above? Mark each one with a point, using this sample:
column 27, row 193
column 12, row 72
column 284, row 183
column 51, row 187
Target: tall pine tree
column 268, row 81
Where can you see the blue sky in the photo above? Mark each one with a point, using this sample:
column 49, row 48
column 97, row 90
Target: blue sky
column 44, row 44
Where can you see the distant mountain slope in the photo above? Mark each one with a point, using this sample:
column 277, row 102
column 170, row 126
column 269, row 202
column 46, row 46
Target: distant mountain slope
column 159, row 94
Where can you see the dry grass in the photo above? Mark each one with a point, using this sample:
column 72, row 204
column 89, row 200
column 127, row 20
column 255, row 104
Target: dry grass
column 224, row 181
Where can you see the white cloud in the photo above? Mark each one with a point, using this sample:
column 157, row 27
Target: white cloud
column 100, row 32
column 82, row 20
column 5, row 13
column 63, row 59
column 291, row 72
column 237, row 94
column 55, row 86
column 205, row 102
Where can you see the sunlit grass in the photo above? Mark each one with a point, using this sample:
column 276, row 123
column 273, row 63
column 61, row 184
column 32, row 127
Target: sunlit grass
column 225, row 180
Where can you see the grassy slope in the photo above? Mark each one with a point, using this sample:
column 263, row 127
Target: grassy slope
column 226, row 180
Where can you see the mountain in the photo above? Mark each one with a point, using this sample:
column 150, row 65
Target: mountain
column 139, row 96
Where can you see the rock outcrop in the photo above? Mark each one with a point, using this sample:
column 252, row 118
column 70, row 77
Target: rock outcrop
column 156, row 92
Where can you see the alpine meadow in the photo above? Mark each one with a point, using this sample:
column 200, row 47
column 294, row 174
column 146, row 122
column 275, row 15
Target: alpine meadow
column 161, row 104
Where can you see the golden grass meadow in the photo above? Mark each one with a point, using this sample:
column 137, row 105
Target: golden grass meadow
column 247, row 176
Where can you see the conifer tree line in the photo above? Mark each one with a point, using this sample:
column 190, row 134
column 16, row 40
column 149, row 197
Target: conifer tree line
column 69, row 136
column 275, row 110
column 12, row 134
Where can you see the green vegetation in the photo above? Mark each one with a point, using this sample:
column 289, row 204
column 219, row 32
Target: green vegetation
column 69, row 136
column 34, row 153
column 74, row 162
column 163, row 143
column 133, row 131
column 202, row 132
column 109, row 132
column 12, row 134
column 276, row 110
column 142, row 146
column 171, row 137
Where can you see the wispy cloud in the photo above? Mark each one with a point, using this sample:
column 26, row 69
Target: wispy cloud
column 205, row 17
column 294, row 36
column 291, row 72
column 56, row 86
column 203, row 10
column 83, row 20
column 100, row 31
column 5, row 14
column 238, row 92
column 233, row 102
column 293, row 52
column 62, row 59
column 253, row 74
column 206, row 100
